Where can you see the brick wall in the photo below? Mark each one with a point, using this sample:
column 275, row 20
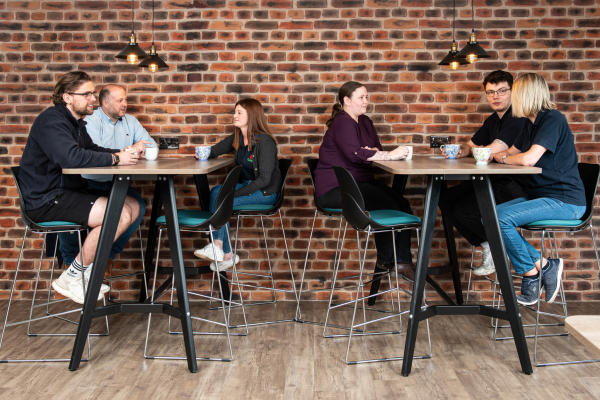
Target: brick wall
column 292, row 55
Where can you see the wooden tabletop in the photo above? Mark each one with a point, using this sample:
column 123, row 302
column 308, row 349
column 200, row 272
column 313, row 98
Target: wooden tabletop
column 439, row 165
column 163, row 166
column 586, row 328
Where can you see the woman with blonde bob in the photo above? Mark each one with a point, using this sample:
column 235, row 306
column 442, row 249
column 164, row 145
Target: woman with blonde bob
column 255, row 149
column 557, row 193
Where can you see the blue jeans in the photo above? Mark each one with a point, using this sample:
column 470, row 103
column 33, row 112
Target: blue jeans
column 255, row 198
column 519, row 212
column 69, row 245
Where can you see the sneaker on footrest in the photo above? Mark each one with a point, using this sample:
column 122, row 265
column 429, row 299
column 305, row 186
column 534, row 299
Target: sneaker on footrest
column 487, row 264
column 224, row 265
column 103, row 289
column 72, row 289
column 551, row 277
column 529, row 291
column 207, row 253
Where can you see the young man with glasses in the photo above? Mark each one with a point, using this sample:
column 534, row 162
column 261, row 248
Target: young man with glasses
column 111, row 127
column 58, row 139
column 498, row 132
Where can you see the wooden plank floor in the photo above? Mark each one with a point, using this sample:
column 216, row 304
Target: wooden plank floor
column 293, row 361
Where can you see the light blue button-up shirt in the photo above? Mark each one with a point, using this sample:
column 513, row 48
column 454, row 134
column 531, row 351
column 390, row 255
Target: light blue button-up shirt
column 126, row 132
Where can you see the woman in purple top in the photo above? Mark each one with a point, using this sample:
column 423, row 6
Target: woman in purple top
column 352, row 142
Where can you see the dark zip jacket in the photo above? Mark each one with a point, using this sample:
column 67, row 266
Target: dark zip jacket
column 57, row 140
column 266, row 167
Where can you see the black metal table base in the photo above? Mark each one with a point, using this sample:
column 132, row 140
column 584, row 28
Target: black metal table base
column 487, row 205
column 112, row 215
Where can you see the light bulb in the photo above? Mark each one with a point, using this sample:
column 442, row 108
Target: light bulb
column 132, row 58
column 472, row 58
column 454, row 64
column 153, row 67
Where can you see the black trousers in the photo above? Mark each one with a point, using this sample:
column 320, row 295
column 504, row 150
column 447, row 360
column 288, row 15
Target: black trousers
column 379, row 196
column 459, row 205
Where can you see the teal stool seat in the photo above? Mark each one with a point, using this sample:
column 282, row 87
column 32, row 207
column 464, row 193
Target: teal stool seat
column 253, row 207
column 393, row 217
column 334, row 210
column 554, row 222
column 57, row 223
column 187, row 217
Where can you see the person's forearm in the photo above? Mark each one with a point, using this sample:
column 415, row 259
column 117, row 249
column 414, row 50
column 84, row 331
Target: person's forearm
column 498, row 146
column 381, row 156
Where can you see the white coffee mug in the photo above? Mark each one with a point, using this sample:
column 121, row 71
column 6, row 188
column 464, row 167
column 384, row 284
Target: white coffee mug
column 151, row 153
column 410, row 152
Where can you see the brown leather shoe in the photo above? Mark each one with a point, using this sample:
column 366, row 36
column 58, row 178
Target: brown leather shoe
column 405, row 269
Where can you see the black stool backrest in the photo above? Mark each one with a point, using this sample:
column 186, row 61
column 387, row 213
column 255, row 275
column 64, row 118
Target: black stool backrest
column 353, row 205
column 224, row 202
column 29, row 223
column 590, row 174
column 284, row 169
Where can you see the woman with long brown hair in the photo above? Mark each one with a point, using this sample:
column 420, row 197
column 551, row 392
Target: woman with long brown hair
column 255, row 149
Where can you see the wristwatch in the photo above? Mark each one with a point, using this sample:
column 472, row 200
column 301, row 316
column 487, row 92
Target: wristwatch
column 115, row 159
column 503, row 158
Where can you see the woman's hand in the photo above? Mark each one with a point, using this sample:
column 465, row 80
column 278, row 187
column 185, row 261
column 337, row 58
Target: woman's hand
column 396, row 154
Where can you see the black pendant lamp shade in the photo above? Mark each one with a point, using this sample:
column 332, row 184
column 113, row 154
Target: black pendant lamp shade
column 472, row 51
column 452, row 60
column 132, row 52
column 153, row 62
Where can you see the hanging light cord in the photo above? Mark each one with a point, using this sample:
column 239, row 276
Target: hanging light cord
column 472, row 16
column 152, row 22
column 454, row 24
column 132, row 17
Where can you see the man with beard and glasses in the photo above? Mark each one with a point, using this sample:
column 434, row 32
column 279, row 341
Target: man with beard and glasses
column 58, row 139
column 498, row 132
column 110, row 127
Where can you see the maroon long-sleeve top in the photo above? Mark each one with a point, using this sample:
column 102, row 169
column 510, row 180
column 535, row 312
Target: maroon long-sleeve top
column 343, row 146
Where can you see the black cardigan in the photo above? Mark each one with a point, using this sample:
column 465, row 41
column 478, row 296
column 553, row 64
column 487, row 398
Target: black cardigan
column 266, row 168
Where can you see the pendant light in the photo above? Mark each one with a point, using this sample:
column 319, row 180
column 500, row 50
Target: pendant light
column 451, row 59
column 132, row 52
column 472, row 51
column 153, row 62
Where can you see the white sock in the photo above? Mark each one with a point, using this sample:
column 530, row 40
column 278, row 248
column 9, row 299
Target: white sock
column 485, row 245
column 74, row 271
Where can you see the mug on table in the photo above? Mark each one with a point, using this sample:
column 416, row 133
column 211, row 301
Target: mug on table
column 151, row 153
column 482, row 155
column 451, row 150
column 202, row 152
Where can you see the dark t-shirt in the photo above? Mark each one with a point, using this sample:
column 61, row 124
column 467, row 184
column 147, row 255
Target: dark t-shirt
column 506, row 129
column 244, row 158
column 560, row 176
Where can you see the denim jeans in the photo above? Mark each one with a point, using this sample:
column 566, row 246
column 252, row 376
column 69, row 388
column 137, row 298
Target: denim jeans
column 69, row 245
column 519, row 212
column 255, row 198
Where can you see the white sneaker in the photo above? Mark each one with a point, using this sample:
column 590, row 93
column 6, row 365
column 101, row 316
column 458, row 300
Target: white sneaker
column 207, row 253
column 224, row 265
column 72, row 289
column 88, row 272
column 487, row 264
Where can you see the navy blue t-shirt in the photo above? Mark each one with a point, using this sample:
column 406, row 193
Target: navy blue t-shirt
column 560, row 176
column 506, row 129
column 244, row 158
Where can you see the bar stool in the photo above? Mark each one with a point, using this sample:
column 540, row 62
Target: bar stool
column 330, row 213
column 202, row 221
column 263, row 211
column 590, row 175
column 376, row 221
column 43, row 228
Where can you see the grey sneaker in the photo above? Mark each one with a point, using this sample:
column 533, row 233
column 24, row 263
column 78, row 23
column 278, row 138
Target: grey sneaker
column 487, row 264
column 551, row 277
column 224, row 265
column 529, row 291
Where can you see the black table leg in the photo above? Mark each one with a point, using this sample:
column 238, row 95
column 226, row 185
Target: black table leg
column 487, row 205
column 432, row 196
column 170, row 206
column 151, row 243
column 451, row 244
column 204, row 196
column 116, row 200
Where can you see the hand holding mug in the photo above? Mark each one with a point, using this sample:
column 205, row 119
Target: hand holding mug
column 128, row 157
column 458, row 155
column 400, row 152
column 139, row 147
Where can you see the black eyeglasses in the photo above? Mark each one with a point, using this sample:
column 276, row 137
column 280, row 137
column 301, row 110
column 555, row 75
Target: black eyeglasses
column 501, row 92
column 86, row 95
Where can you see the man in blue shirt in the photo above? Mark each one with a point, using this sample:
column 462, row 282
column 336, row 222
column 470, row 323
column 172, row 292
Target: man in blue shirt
column 109, row 126
column 498, row 132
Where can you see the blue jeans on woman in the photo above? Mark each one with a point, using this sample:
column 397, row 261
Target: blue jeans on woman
column 519, row 212
column 255, row 198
